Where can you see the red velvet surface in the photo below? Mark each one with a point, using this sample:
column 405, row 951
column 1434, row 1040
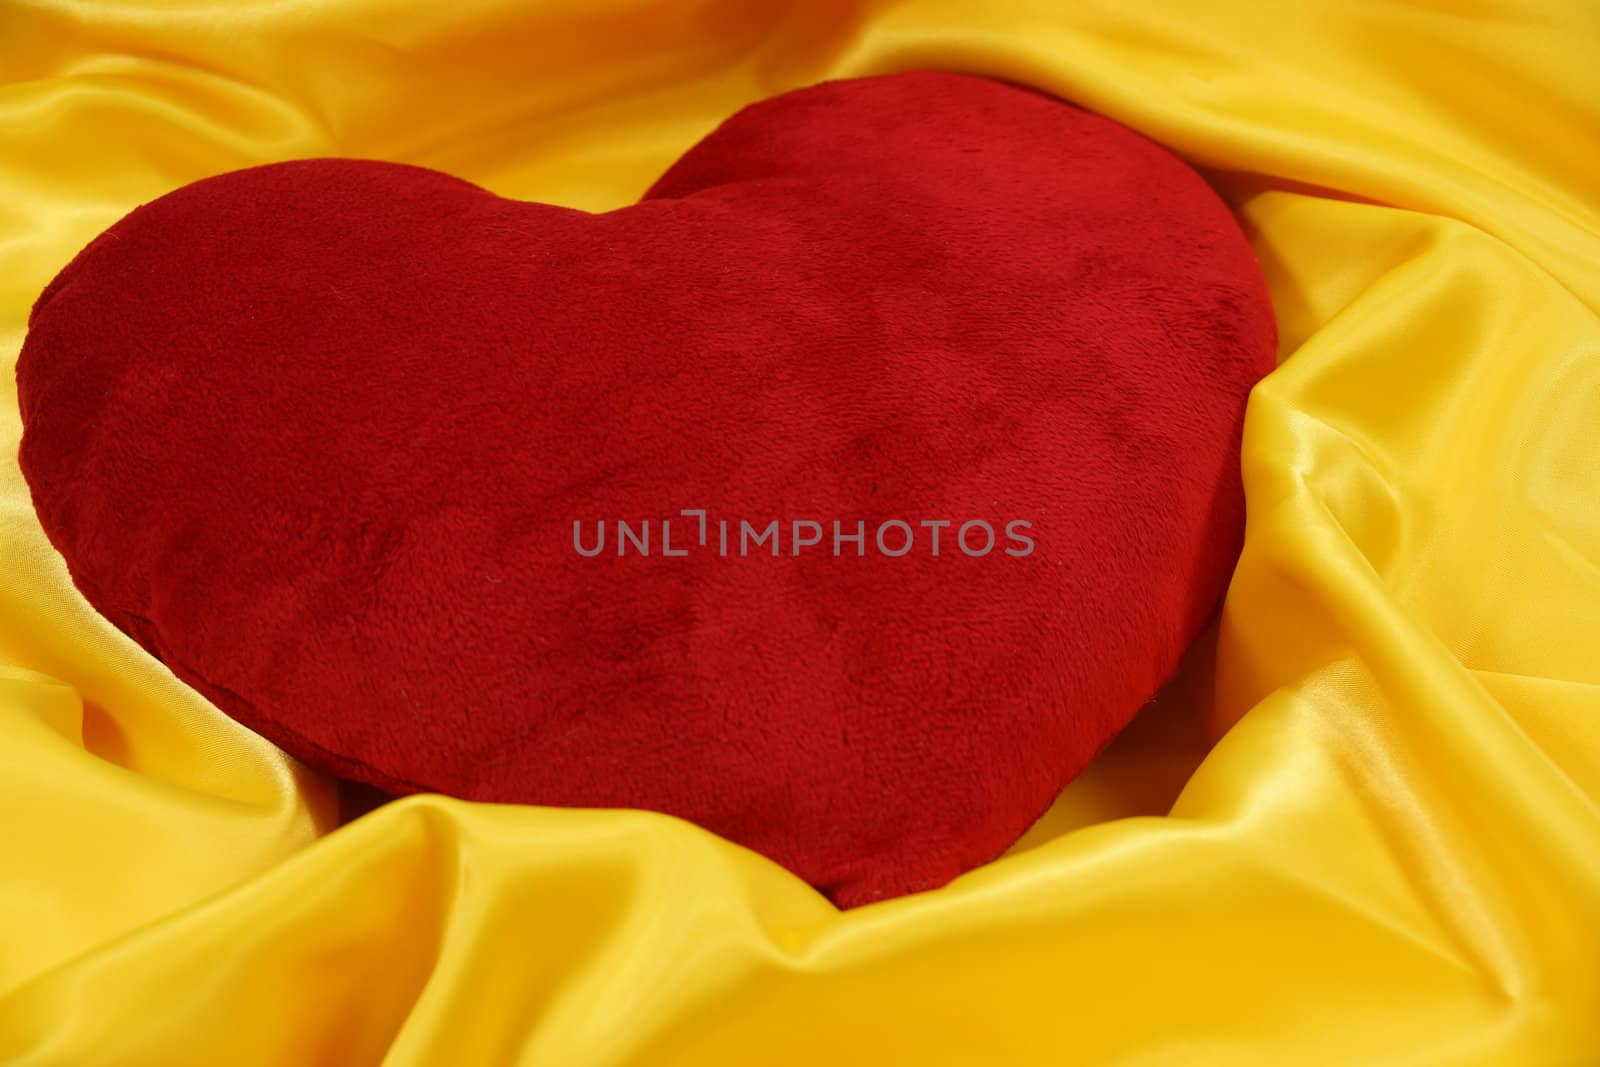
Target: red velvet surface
column 316, row 434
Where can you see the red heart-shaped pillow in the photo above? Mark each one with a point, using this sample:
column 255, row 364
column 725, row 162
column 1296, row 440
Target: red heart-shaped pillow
column 955, row 371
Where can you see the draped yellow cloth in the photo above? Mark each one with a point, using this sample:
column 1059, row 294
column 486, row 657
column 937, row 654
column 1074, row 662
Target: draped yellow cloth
column 1362, row 827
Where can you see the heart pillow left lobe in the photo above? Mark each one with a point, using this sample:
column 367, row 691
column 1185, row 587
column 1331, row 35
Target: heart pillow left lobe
column 317, row 434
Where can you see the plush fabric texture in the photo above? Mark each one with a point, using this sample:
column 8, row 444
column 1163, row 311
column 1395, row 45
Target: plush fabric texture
column 317, row 435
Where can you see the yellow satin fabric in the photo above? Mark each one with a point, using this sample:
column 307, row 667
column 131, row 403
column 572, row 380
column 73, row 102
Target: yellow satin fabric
column 1362, row 827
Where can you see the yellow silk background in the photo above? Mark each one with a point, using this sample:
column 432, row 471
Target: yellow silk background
column 1361, row 828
